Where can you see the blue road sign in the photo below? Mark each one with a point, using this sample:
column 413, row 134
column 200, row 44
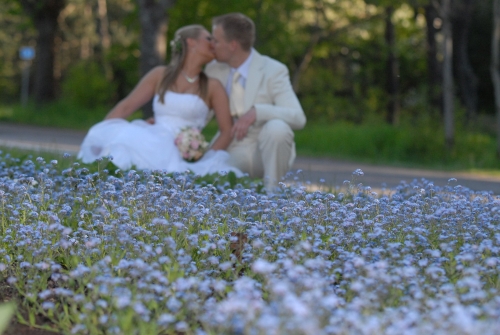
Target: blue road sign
column 27, row 53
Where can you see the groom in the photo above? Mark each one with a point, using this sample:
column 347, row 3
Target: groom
column 263, row 104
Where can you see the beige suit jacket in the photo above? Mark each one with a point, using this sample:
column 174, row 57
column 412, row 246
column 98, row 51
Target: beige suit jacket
column 268, row 89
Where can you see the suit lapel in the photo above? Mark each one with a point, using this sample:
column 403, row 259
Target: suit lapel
column 255, row 75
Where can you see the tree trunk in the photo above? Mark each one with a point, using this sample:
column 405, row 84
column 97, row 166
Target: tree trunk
column 86, row 49
column 495, row 66
column 44, row 15
column 153, row 19
column 434, row 69
column 306, row 59
column 105, row 37
column 392, row 74
column 448, row 75
column 467, row 80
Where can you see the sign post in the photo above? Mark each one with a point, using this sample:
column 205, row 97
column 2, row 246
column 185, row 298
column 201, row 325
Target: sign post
column 26, row 54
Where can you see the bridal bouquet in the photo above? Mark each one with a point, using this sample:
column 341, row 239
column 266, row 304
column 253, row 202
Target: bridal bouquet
column 191, row 143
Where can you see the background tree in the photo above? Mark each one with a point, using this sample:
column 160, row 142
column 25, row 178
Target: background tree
column 461, row 17
column 392, row 86
column 153, row 19
column 479, row 50
column 448, row 89
column 13, row 21
column 320, row 27
column 105, row 36
column 44, row 14
column 495, row 66
column 392, row 64
column 434, row 67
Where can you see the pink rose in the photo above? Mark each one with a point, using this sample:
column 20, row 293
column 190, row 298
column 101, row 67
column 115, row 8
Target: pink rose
column 195, row 145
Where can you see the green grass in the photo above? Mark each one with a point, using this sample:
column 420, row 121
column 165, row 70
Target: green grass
column 420, row 144
column 60, row 114
column 400, row 146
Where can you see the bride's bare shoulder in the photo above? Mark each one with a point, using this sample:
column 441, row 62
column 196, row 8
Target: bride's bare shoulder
column 160, row 69
column 155, row 74
column 214, row 84
column 216, row 92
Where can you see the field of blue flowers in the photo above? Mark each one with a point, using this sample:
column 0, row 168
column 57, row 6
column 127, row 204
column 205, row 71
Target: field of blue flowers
column 155, row 253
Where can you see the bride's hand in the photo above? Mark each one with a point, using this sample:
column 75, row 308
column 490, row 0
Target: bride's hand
column 150, row 120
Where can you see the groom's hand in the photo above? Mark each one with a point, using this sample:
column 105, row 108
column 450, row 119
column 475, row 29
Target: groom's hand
column 240, row 127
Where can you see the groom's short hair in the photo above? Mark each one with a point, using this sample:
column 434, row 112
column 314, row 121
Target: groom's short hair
column 237, row 26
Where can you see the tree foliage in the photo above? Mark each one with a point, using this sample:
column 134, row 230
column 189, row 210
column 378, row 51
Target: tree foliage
column 348, row 59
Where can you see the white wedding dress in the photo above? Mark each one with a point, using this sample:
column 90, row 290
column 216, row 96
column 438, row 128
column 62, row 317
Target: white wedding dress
column 144, row 146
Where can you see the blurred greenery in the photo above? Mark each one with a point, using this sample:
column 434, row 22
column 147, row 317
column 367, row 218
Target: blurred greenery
column 417, row 141
column 335, row 50
column 405, row 145
column 62, row 113
column 87, row 86
column 337, row 54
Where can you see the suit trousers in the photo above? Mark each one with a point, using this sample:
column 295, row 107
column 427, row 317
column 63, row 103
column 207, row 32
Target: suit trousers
column 266, row 152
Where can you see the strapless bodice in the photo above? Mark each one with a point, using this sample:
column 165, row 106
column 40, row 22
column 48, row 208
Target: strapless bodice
column 180, row 110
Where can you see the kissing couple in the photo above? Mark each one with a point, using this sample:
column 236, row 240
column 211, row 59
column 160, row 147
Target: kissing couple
column 218, row 73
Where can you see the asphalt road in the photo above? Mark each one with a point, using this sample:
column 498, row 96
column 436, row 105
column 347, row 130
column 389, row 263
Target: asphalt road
column 313, row 171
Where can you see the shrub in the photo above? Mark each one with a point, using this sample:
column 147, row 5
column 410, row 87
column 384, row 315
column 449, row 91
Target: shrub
column 87, row 86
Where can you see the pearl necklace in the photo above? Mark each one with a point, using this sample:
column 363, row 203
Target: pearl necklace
column 189, row 79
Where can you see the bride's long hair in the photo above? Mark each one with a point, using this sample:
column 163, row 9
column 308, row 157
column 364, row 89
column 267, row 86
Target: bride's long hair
column 179, row 51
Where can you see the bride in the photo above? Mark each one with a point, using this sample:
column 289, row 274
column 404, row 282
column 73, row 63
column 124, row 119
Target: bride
column 182, row 97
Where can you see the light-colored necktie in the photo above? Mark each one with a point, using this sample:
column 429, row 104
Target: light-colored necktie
column 237, row 99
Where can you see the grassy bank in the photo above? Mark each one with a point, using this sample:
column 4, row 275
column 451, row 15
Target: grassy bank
column 404, row 146
column 416, row 144
column 60, row 114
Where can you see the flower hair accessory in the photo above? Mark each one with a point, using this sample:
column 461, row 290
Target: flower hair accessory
column 176, row 44
column 191, row 144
